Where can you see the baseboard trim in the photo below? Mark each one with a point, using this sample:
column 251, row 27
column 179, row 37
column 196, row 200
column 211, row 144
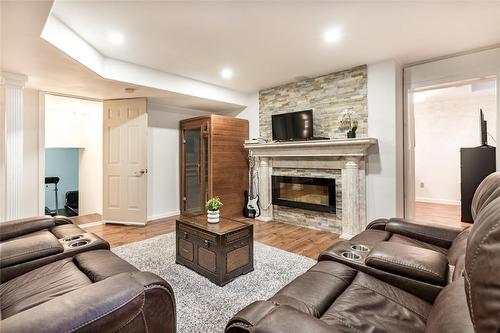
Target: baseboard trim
column 163, row 215
column 133, row 223
column 438, row 201
column 91, row 224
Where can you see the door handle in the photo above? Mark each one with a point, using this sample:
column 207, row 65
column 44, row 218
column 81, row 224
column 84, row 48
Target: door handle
column 141, row 172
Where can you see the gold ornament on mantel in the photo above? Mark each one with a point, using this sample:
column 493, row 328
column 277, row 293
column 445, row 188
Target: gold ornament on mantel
column 348, row 121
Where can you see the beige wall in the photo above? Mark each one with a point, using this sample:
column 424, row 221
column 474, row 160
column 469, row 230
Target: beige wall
column 163, row 158
column 2, row 154
column 447, row 120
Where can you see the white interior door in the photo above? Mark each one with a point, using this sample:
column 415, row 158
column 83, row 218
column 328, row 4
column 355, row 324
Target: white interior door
column 125, row 161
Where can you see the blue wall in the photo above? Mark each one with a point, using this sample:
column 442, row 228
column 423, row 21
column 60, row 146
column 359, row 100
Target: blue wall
column 62, row 163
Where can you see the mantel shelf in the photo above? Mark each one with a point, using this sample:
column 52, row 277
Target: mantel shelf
column 319, row 148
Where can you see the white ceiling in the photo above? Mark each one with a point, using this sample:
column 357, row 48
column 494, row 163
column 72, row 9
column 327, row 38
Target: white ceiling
column 269, row 43
column 265, row 43
column 49, row 69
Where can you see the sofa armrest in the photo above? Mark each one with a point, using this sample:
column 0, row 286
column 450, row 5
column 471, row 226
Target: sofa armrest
column 59, row 220
column 119, row 303
column 410, row 261
column 16, row 228
column 438, row 235
column 378, row 224
column 269, row 317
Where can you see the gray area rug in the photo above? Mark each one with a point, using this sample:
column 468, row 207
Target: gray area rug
column 201, row 305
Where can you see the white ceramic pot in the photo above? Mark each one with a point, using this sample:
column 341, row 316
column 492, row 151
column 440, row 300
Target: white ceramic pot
column 213, row 216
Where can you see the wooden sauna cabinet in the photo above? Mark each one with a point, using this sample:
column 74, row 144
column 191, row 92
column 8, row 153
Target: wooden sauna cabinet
column 213, row 162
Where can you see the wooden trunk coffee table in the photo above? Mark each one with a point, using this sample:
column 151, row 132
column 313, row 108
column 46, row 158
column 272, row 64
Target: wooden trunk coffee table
column 220, row 252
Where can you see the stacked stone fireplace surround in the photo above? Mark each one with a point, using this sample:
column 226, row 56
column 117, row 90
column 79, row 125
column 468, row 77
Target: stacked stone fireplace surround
column 310, row 218
column 328, row 96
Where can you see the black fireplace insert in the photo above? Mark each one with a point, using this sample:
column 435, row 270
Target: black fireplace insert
column 304, row 192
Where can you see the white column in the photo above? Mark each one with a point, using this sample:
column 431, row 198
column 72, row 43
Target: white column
column 12, row 131
column 265, row 190
column 351, row 222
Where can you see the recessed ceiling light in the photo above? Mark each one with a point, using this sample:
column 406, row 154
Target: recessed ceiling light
column 116, row 38
column 332, row 35
column 226, row 73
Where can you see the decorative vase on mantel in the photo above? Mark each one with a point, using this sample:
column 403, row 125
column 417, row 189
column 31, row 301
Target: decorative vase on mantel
column 351, row 134
column 213, row 210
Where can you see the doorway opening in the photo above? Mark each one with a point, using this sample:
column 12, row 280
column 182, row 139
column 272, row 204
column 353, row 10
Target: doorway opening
column 61, row 181
column 73, row 157
column 446, row 130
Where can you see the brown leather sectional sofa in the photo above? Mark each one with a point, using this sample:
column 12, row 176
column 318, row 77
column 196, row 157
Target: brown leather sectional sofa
column 56, row 277
column 396, row 276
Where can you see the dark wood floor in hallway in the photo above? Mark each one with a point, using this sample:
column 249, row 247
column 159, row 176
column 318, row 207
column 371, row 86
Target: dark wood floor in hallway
column 291, row 238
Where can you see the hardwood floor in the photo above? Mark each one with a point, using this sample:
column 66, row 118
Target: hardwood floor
column 291, row 238
column 448, row 215
column 84, row 219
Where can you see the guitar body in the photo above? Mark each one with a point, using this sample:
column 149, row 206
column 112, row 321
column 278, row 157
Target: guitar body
column 254, row 205
column 251, row 206
column 247, row 211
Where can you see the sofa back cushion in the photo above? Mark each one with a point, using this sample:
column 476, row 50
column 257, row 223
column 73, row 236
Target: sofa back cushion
column 16, row 228
column 482, row 269
column 458, row 247
column 449, row 312
column 487, row 191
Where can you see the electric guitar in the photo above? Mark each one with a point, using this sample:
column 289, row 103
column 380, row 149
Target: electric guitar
column 251, row 206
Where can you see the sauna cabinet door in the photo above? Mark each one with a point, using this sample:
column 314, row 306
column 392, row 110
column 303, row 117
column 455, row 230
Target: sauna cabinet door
column 195, row 145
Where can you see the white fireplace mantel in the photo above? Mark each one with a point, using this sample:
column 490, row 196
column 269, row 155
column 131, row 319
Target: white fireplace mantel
column 348, row 155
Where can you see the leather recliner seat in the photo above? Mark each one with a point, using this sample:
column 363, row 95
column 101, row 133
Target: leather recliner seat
column 431, row 254
column 333, row 297
column 93, row 291
column 26, row 244
column 447, row 240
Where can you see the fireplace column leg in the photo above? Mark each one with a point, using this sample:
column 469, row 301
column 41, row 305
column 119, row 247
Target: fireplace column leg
column 351, row 224
column 265, row 190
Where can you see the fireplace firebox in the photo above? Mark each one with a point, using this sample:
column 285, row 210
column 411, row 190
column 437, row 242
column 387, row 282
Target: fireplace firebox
column 304, row 192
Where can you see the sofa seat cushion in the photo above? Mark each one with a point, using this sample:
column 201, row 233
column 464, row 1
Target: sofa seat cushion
column 370, row 305
column 343, row 297
column 371, row 236
column 400, row 239
column 28, row 247
column 314, row 291
column 374, row 236
column 39, row 286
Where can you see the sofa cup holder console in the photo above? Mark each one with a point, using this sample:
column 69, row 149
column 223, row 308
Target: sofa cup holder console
column 79, row 243
column 72, row 238
column 360, row 248
column 351, row 255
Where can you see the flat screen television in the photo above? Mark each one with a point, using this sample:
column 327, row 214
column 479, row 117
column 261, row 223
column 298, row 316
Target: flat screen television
column 293, row 126
column 484, row 128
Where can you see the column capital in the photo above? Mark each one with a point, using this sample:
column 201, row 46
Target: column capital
column 352, row 162
column 13, row 79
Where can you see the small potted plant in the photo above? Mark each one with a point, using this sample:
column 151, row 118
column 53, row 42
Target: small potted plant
column 213, row 205
column 348, row 122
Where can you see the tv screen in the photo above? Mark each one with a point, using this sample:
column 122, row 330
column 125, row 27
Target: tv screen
column 293, row 126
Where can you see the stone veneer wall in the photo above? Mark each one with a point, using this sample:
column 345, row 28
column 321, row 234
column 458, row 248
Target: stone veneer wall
column 327, row 95
column 319, row 220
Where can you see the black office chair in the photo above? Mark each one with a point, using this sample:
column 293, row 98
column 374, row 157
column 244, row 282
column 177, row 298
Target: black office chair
column 72, row 202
